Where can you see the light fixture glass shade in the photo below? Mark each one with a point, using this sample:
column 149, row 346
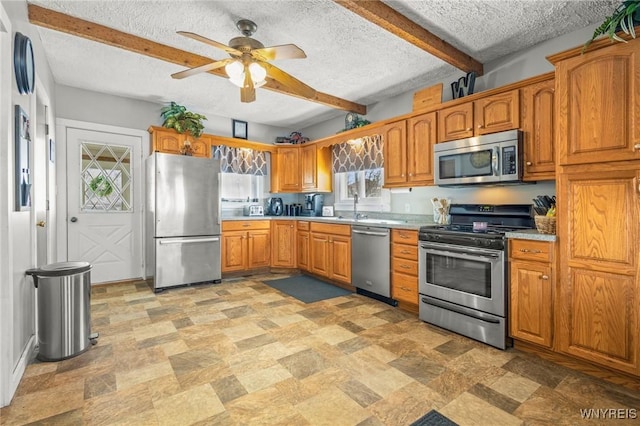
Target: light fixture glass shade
column 258, row 73
column 235, row 71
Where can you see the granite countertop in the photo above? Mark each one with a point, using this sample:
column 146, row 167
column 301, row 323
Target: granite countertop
column 381, row 223
column 530, row 234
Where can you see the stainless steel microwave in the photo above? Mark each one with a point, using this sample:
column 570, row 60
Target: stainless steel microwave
column 488, row 159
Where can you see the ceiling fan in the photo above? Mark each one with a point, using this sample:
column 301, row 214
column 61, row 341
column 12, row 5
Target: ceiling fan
column 249, row 64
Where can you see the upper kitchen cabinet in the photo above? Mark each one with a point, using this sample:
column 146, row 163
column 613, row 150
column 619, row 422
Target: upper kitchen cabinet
column 598, row 103
column 315, row 169
column 537, row 124
column 395, row 153
column 302, row 168
column 285, row 175
column 408, row 151
column 169, row 141
column 489, row 114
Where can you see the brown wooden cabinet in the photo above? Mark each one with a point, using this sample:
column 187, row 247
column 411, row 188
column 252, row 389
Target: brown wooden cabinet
column 408, row 151
column 245, row 245
column 404, row 267
column 395, row 153
column 286, row 170
column 490, row 114
column 597, row 97
column 171, row 142
column 283, row 243
column 303, row 245
column 531, row 291
column 330, row 251
column 537, row 124
column 599, row 289
column 301, row 168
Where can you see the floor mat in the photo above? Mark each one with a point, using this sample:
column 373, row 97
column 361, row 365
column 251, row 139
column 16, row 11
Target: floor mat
column 307, row 289
column 433, row 418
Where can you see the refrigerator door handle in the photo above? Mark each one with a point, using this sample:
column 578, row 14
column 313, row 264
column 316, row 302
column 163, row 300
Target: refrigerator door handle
column 189, row 240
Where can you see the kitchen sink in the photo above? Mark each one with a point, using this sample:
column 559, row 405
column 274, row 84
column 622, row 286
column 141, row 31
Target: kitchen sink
column 380, row 221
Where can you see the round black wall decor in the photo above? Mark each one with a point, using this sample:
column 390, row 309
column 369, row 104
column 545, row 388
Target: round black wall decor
column 23, row 64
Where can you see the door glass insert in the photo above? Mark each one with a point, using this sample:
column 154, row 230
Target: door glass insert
column 464, row 275
column 105, row 178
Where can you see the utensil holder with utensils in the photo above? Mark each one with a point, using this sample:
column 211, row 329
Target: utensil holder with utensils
column 546, row 224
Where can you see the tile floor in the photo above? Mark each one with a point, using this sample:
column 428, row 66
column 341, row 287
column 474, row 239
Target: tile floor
column 241, row 353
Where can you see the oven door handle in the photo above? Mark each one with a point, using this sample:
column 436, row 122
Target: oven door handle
column 460, row 310
column 463, row 254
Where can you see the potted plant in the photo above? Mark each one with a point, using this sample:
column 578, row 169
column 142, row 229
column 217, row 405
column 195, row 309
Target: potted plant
column 624, row 18
column 177, row 117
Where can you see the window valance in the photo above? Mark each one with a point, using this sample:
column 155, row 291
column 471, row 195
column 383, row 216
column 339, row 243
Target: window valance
column 358, row 154
column 244, row 161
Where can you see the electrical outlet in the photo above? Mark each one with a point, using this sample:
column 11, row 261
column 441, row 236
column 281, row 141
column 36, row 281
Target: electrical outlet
column 407, row 208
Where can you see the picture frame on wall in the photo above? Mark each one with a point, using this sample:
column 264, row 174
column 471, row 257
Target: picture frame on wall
column 22, row 161
column 239, row 129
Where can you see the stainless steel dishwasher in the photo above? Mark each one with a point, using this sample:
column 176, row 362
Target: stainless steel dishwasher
column 370, row 262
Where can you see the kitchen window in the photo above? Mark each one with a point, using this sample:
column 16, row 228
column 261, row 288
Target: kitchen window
column 243, row 175
column 358, row 167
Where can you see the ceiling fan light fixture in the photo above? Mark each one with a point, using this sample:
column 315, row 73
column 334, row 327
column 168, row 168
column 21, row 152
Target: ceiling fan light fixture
column 258, row 73
column 234, row 69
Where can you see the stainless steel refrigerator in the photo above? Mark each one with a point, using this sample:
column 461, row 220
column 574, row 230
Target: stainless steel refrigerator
column 182, row 220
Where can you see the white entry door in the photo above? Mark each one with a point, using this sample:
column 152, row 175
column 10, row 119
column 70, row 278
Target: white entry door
column 104, row 203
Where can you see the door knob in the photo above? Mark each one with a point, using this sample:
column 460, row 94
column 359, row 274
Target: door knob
column 74, row 219
column 41, row 223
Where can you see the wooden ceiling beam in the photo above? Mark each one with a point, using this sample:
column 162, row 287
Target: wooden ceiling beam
column 391, row 20
column 57, row 21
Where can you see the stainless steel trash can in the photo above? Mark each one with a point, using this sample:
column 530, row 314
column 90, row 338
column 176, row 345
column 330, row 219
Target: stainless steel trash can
column 64, row 315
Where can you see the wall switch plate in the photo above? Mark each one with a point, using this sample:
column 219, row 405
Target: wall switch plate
column 407, row 208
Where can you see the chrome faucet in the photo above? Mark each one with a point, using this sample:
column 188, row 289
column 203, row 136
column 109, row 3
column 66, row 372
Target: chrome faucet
column 355, row 206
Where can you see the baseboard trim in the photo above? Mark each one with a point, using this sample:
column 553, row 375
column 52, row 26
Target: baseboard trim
column 601, row 372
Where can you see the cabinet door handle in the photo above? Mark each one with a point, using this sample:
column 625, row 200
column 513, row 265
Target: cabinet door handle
column 544, row 277
column 405, row 267
column 529, row 163
column 469, row 129
column 404, row 236
column 480, row 126
column 530, row 251
column 405, row 288
column 245, row 225
column 405, row 252
column 636, row 147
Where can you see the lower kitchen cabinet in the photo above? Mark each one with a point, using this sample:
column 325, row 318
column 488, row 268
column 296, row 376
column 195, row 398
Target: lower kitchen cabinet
column 303, row 245
column 330, row 251
column 531, row 291
column 404, row 267
column 245, row 245
column 599, row 293
column 283, row 243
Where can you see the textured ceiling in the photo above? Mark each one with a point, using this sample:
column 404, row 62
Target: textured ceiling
column 347, row 56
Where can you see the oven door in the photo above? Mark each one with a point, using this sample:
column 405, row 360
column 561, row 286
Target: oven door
column 466, row 276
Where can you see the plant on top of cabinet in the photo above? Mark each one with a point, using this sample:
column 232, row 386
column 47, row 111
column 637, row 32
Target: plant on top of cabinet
column 177, row 117
column 624, row 18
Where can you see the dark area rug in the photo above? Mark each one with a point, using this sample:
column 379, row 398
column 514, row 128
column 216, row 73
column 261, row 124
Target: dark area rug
column 307, row 289
column 433, row 418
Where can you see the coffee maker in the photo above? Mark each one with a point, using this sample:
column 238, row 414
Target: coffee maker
column 312, row 205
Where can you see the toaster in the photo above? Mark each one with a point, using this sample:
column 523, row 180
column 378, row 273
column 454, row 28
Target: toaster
column 254, row 210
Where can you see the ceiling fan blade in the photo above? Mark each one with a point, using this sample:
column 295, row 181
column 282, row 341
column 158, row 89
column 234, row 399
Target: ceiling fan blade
column 289, row 81
column 284, row 51
column 202, row 68
column 247, row 92
column 229, row 50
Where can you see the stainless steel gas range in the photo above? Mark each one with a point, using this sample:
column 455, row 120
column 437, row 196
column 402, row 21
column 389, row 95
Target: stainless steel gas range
column 463, row 270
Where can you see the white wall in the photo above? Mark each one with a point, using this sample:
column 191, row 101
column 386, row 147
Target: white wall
column 17, row 228
column 510, row 69
column 94, row 107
